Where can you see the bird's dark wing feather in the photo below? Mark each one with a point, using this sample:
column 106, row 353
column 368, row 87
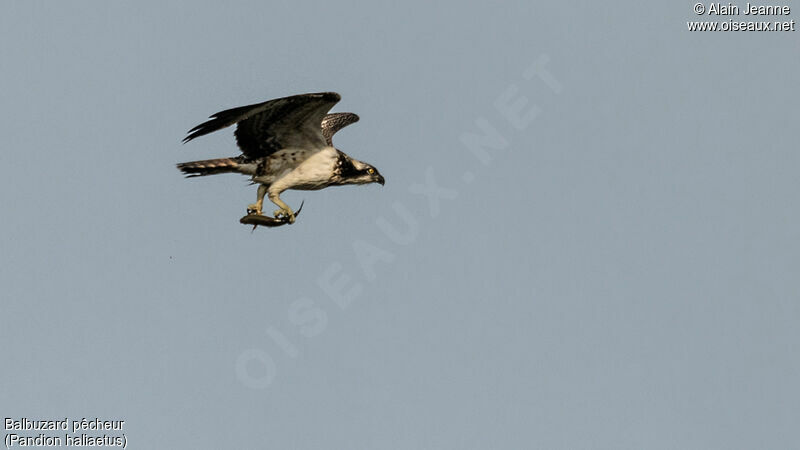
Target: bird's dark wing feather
column 267, row 127
column 335, row 122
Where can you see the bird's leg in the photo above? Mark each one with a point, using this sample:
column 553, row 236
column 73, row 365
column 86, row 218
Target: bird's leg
column 285, row 212
column 256, row 207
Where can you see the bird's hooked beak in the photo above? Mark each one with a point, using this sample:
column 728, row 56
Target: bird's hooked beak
column 379, row 179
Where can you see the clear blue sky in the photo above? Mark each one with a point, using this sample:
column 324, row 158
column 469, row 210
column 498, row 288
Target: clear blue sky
column 588, row 237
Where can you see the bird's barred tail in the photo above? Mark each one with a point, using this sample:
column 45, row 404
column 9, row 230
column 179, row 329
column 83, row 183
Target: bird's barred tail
column 208, row 167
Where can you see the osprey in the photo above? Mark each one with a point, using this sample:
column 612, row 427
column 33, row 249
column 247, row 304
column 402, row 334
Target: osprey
column 286, row 144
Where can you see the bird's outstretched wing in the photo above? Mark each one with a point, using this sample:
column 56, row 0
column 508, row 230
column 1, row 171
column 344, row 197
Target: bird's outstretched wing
column 267, row 127
column 335, row 122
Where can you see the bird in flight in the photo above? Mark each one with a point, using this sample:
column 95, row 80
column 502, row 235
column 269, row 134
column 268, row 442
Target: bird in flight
column 286, row 143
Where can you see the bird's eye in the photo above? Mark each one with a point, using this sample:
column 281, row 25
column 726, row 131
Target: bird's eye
column 370, row 171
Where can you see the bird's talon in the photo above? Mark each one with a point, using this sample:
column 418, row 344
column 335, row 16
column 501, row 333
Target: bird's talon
column 286, row 216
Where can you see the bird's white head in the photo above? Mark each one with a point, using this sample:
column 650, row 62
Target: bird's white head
column 364, row 174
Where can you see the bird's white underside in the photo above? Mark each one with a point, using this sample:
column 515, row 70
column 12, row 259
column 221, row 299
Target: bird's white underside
column 296, row 168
